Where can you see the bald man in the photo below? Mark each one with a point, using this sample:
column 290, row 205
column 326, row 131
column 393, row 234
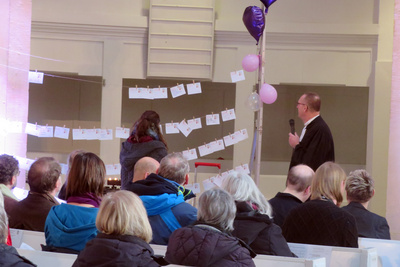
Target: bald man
column 297, row 191
column 144, row 167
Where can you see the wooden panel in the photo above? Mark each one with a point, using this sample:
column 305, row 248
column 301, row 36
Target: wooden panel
column 181, row 27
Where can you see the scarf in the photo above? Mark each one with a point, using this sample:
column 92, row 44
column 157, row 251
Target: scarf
column 88, row 198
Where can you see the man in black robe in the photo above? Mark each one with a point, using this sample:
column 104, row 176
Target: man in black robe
column 315, row 144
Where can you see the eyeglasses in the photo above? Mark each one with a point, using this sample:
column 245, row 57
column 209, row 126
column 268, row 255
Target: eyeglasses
column 301, row 104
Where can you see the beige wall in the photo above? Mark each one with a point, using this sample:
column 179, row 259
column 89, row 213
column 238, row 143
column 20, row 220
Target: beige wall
column 310, row 42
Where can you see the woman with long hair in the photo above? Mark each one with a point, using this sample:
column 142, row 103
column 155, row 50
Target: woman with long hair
column 145, row 140
column 124, row 234
column 320, row 221
column 69, row 226
column 253, row 223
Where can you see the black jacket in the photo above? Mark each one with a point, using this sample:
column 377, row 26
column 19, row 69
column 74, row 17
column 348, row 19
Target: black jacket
column 282, row 204
column 132, row 152
column 108, row 251
column 10, row 257
column 203, row 245
column 259, row 232
column 369, row 224
column 316, row 147
column 320, row 222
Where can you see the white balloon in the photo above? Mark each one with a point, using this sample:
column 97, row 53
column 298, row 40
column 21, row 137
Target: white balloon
column 253, row 102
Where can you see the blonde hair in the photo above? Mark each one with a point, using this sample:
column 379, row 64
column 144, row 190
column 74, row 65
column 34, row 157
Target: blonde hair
column 242, row 188
column 328, row 182
column 123, row 213
column 359, row 186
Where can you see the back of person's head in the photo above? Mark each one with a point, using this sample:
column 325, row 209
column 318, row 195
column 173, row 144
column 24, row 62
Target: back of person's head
column 87, row 175
column 328, row 182
column 359, row 186
column 148, row 125
column 217, row 208
column 174, row 167
column 9, row 168
column 43, row 175
column 143, row 166
column 299, row 178
column 72, row 155
column 3, row 221
column 123, row 213
column 313, row 101
column 242, row 188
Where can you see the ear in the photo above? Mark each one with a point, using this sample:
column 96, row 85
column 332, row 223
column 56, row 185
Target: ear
column 373, row 193
column 59, row 184
column 13, row 180
column 186, row 180
column 307, row 191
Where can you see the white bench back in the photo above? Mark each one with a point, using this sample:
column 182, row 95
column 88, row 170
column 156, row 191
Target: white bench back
column 30, row 238
column 337, row 256
column 388, row 250
column 44, row 258
column 265, row 260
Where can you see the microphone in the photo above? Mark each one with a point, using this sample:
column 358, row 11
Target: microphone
column 291, row 123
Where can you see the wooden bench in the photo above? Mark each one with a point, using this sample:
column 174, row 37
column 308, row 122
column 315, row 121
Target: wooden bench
column 388, row 250
column 337, row 256
column 44, row 258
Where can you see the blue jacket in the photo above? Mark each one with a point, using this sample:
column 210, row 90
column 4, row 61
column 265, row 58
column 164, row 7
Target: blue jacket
column 70, row 226
column 165, row 205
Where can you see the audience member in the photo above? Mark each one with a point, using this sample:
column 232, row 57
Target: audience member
column 9, row 170
column 8, row 254
column 297, row 191
column 44, row 182
column 360, row 190
column 124, row 233
column 63, row 191
column 208, row 242
column 253, row 223
column 143, row 168
column 164, row 196
column 320, row 221
column 145, row 139
column 315, row 144
column 69, row 226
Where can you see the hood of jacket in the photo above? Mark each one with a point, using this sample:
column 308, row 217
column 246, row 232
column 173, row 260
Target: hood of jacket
column 205, row 246
column 70, row 226
column 157, row 185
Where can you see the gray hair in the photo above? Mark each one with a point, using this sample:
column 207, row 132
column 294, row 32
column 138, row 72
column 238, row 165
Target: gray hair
column 242, row 188
column 217, row 208
column 359, row 186
column 3, row 221
column 300, row 177
column 174, row 167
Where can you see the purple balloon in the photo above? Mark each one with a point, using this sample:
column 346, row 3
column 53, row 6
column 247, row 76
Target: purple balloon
column 268, row 93
column 254, row 20
column 267, row 4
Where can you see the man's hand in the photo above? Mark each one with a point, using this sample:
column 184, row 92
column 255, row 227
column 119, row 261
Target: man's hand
column 293, row 140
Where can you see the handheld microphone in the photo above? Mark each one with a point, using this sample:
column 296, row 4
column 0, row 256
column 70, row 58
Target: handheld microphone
column 291, row 123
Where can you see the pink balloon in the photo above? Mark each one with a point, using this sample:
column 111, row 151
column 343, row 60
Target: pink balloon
column 250, row 62
column 268, row 93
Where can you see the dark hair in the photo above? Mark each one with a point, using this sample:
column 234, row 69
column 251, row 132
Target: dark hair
column 86, row 175
column 150, row 120
column 9, row 167
column 43, row 175
column 313, row 101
